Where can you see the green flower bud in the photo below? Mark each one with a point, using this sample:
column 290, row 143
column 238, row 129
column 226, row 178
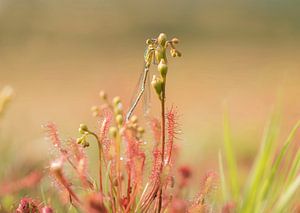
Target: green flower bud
column 83, row 128
column 113, row 131
column 163, row 68
column 116, row 100
column 173, row 53
column 119, row 119
column 79, row 140
column 162, row 39
column 160, row 53
column 141, row 130
column 157, row 85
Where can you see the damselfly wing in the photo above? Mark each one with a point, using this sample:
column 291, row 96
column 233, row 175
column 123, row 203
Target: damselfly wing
column 143, row 86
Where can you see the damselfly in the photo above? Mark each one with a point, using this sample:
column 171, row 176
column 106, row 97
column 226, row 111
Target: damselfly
column 144, row 81
column 154, row 53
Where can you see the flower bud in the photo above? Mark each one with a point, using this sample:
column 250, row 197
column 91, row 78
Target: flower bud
column 79, row 140
column 116, row 100
column 119, row 119
column 160, row 53
column 141, row 130
column 81, row 131
column 163, row 68
column 173, row 53
column 117, row 110
column 83, row 127
column 134, row 119
column 134, row 126
column 162, row 38
column 103, row 95
column 157, row 85
column 113, row 132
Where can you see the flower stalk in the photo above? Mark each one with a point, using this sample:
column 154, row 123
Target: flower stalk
column 159, row 84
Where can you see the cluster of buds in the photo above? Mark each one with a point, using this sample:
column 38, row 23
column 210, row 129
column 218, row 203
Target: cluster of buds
column 84, row 131
column 96, row 110
column 118, row 111
column 115, row 105
column 156, row 52
column 117, row 108
column 134, row 126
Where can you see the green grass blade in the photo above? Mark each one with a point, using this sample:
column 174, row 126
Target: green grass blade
column 262, row 165
column 223, row 181
column 268, row 184
column 230, row 158
column 286, row 197
column 294, row 169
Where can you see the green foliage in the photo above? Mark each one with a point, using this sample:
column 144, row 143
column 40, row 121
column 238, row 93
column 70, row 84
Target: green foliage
column 230, row 159
column 267, row 188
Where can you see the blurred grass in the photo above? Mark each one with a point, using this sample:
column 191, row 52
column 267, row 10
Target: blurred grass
column 267, row 187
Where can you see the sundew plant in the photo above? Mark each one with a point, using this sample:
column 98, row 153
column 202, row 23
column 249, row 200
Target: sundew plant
column 123, row 183
column 137, row 175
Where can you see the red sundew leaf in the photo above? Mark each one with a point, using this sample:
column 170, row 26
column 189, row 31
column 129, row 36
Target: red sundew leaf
column 104, row 128
column 156, row 165
column 52, row 134
column 135, row 156
column 14, row 186
column 178, row 206
column 81, row 162
column 56, row 169
column 94, row 203
column 208, row 184
column 172, row 132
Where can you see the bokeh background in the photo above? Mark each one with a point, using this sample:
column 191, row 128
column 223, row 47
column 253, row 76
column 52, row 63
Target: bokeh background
column 58, row 54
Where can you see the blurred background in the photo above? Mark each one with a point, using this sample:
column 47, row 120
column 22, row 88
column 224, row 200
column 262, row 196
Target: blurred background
column 58, row 55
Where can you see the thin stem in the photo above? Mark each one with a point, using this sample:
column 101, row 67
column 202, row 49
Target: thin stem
column 163, row 139
column 100, row 160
